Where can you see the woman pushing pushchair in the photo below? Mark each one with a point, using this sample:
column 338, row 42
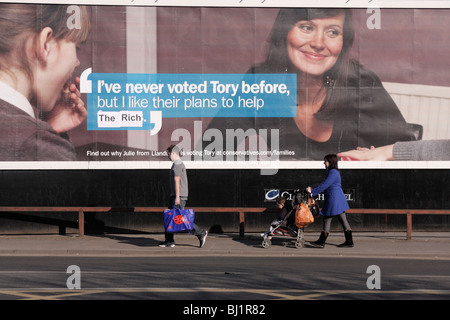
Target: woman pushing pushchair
column 335, row 202
column 335, row 205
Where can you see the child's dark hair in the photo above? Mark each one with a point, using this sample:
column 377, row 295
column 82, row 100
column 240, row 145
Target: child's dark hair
column 173, row 148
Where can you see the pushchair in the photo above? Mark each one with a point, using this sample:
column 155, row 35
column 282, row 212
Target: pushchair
column 287, row 227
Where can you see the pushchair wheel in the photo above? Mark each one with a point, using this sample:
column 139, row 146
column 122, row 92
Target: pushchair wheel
column 266, row 243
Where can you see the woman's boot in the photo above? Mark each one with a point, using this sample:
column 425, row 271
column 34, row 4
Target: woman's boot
column 320, row 243
column 348, row 239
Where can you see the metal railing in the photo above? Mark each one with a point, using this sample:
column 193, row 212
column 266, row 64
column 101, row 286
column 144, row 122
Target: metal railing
column 240, row 210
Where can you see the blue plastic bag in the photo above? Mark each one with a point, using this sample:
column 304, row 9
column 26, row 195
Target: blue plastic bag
column 179, row 220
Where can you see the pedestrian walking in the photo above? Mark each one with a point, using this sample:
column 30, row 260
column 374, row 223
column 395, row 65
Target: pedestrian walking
column 335, row 202
column 179, row 190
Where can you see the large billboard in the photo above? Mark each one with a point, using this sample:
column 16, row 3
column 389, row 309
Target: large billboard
column 234, row 85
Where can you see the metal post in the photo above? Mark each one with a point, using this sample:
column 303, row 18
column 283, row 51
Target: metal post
column 408, row 225
column 241, row 224
column 81, row 222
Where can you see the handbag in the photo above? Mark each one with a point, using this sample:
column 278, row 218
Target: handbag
column 313, row 206
column 179, row 220
column 303, row 215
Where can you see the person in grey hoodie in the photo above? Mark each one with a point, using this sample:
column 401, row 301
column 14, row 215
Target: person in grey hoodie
column 179, row 191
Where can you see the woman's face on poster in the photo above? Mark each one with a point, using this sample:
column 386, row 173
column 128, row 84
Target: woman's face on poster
column 313, row 46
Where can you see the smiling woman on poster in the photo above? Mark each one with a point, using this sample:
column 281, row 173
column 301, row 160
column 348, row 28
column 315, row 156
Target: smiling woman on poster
column 38, row 102
column 340, row 104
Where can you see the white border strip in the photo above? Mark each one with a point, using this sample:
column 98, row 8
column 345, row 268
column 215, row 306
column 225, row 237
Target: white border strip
column 214, row 165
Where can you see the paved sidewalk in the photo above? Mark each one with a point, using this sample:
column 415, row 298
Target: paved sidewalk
column 429, row 245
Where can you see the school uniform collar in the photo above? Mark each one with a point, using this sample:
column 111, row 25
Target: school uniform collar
column 14, row 97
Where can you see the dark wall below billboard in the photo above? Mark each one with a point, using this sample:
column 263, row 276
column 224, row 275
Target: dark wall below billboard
column 378, row 188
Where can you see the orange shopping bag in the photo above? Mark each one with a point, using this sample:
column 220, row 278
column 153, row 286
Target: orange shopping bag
column 303, row 215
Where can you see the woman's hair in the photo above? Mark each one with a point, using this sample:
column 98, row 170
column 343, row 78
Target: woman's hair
column 19, row 22
column 277, row 61
column 332, row 160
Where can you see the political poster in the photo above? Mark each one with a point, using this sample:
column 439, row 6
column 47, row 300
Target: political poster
column 233, row 84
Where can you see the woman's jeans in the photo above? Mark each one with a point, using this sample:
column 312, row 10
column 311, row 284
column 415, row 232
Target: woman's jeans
column 196, row 231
